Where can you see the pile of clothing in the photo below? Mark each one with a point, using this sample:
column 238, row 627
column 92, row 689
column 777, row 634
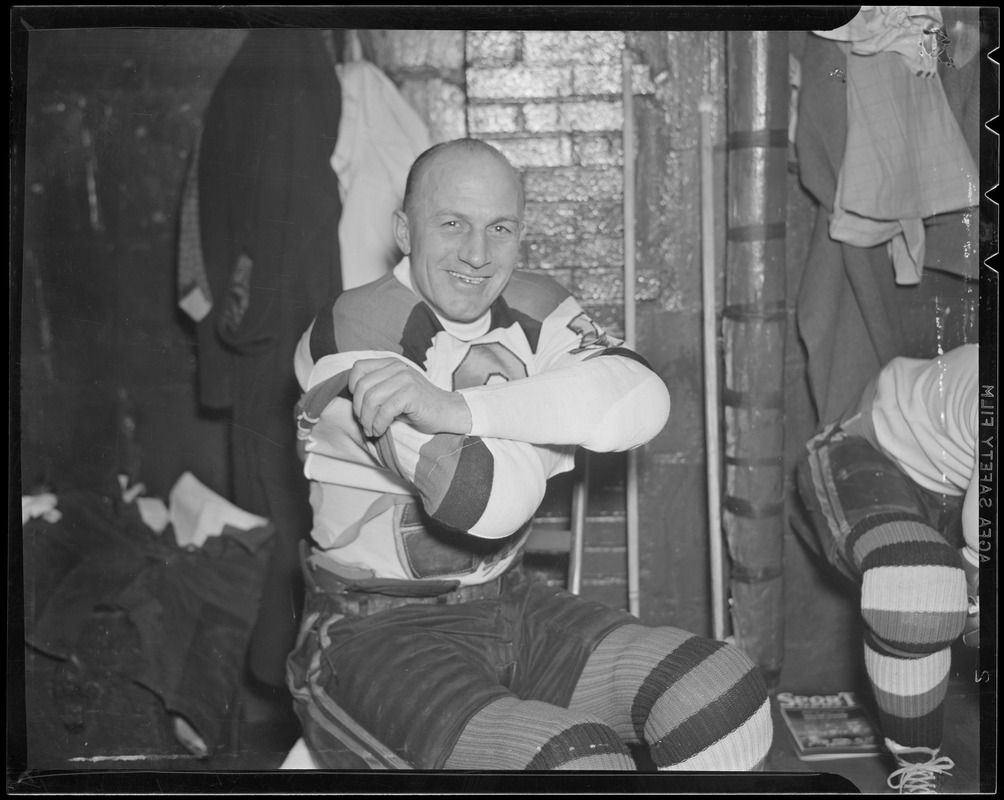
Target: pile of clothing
column 137, row 620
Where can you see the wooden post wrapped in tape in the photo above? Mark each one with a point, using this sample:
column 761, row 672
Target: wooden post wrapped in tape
column 753, row 336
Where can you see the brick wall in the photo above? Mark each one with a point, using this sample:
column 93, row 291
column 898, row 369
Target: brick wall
column 552, row 102
column 428, row 69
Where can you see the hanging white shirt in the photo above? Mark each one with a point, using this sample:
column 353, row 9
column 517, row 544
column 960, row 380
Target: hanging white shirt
column 379, row 137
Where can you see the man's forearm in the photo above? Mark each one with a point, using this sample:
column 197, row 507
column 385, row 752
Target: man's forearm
column 487, row 488
column 605, row 404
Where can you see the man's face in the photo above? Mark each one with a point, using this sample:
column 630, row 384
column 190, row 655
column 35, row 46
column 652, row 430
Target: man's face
column 463, row 232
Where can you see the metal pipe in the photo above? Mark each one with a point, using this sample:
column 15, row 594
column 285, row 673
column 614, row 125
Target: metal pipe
column 711, row 422
column 580, row 499
column 754, row 319
column 631, row 488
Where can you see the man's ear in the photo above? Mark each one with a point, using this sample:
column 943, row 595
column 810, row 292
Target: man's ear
column 402, row 234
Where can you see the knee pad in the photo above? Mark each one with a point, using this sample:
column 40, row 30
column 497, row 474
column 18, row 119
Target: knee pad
column 710, row 710
column 914, row 610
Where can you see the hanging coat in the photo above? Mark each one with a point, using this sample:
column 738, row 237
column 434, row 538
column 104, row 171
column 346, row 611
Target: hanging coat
column 268, row 202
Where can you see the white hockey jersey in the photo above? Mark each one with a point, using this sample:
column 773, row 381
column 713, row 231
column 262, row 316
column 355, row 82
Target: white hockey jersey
column 539, row 377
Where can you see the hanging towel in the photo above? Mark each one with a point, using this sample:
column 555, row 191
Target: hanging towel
column 906, row 159
column 379, row 137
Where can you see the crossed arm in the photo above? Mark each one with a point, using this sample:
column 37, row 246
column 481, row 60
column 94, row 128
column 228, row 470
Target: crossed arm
column 480, row 458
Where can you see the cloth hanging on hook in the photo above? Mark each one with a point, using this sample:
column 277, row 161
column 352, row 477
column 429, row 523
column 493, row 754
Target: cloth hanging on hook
column 905, row 159
column 907, row 30
column 379, row 137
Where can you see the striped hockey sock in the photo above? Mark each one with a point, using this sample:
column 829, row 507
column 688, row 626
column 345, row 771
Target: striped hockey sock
column 513, row 734
column 913, row 590
column 914, row 607
column 910, row 693
column 698, row 703
column 913, row 602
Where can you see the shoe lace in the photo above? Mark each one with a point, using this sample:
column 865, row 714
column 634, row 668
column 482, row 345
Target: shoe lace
column 921, row 777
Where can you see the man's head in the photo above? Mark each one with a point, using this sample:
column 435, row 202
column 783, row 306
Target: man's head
column 461, row 225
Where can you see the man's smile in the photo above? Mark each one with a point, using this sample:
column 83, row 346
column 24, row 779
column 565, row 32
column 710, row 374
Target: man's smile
column 473, row 280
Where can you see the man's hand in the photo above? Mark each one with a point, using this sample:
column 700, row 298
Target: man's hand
column 384, row 389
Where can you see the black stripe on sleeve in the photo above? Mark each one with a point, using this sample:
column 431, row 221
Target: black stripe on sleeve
column 322, row 336
column 620, row 351
column 470, row 487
